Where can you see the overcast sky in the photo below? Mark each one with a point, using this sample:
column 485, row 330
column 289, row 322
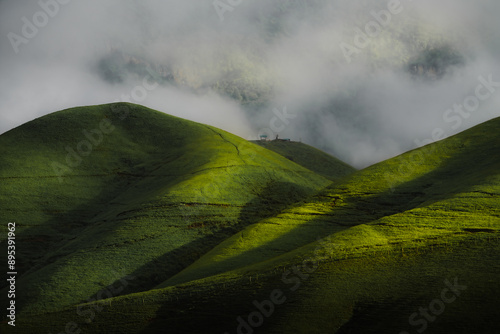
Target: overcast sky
column 344, row 91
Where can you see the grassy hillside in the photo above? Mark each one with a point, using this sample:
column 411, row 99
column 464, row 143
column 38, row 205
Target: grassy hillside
column 141, row 193
column 433, row 192
column 309, row 157
column 370, row 253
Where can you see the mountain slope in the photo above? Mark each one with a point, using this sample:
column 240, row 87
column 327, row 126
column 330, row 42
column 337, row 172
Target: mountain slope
column 100, row 192
column 309, row 157
column 443, row 196
column 441, row 184
column 360, row 256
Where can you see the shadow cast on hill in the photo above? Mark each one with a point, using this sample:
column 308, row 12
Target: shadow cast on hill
column 267, row 205
column 444, row 182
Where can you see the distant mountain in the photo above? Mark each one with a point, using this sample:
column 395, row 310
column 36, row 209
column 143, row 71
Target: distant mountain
column 205, row 232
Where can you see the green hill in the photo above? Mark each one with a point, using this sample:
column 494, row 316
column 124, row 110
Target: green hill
column 101, row 191
column 309, row 157
column 449, row 187
column 408, row 245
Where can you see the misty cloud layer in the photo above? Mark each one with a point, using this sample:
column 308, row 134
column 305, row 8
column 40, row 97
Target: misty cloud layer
column 362, row 106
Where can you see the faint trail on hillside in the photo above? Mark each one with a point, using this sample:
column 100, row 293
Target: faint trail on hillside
column 224, row 139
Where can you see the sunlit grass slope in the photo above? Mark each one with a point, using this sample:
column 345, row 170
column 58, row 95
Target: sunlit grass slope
column 142, row 194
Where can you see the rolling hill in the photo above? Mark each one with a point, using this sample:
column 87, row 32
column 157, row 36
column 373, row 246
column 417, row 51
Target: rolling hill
column 98, row 191
column 178, row 226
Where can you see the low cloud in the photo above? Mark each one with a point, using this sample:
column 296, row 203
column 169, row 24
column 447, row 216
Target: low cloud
column 232, row 70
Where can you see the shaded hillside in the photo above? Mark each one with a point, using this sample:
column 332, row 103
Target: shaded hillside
column 309, row 157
